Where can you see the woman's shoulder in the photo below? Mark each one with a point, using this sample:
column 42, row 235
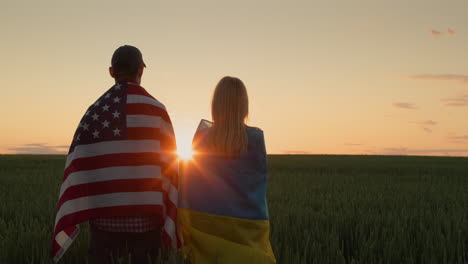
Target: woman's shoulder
column 255, row 136
column 254, row 129
column 254, row 132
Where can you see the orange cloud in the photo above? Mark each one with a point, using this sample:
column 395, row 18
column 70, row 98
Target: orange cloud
column 404, row 105
column 296, row 152
column 353, row 144
column 459, row 139
column 39, row 148
column 438, row 152
column 435, row 33
column 461, row 100
column 441, row 77
column 425, row 125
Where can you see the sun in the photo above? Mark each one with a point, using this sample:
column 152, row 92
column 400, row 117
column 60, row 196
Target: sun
column 184, row 146
column 184, row 153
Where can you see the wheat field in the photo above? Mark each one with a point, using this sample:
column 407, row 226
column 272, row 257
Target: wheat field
column 323, row 209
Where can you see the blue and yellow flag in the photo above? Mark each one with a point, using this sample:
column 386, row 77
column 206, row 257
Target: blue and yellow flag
column 223, row 211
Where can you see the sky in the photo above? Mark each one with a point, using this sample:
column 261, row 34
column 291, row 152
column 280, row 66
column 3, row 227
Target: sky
column 323, row 77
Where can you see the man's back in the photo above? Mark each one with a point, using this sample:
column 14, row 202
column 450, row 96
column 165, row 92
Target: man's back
column 121, row 175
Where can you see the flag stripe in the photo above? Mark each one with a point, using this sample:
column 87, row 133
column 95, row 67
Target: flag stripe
column 105, row 187
column 167, row 240
column 61, row 238
column 141, row 99
column 170, row 230
column 147, row 109
column 170, row 173
column 134, row 88
column 113, row 160
column 170, row 206
column 173, row 194
column 144, row 121
column 112, row 173
column 142, row 133
column 113, row 147
column 71, row 232
column 167, row 141
column 108, row 200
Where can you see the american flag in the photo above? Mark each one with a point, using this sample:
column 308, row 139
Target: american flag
column 122, row 162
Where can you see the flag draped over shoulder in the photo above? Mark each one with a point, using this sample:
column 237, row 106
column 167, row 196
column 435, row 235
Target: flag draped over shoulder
column 122, row 162
column 223, row 209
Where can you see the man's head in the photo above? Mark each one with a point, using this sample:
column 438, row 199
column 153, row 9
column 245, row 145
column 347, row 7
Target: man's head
column 127, row 63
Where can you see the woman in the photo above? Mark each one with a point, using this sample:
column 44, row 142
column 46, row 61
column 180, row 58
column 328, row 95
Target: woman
column 224, row 213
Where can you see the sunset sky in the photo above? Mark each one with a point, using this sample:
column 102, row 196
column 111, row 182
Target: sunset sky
column 324, row 77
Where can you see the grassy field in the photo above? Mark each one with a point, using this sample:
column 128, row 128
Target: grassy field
column 324, row 209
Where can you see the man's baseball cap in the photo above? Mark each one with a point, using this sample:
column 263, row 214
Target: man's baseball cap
column 127, row 58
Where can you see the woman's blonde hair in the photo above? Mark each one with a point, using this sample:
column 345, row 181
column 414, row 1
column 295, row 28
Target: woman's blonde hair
column 229, row 109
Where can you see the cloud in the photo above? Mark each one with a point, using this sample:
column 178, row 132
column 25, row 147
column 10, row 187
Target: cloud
column 438, row 33
column 435, row 33
column 428, row 130
column 407, row 151
column 394, row 151
column 39, row 148
column 296, row 152
column 459, row 139
column 459, row 101
column 426, row 124
column 441, row 77
column 404, row 105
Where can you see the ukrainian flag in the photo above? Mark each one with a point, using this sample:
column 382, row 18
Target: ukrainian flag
column 223, row 210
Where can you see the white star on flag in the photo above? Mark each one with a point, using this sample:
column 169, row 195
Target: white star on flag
column 116, row 114
column 116, row 132
column 95, row 117
column 117, row 87
column 97, row 103
column 116, row 100
column 85, row 127
column 96, row 134
column 105, row 108
column 105, row 124
column 87, row 113
column 78, row 137
column 107, row 95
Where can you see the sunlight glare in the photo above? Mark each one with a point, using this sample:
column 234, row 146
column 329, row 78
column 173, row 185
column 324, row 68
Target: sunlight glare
column 184, row 145
column 184, row 153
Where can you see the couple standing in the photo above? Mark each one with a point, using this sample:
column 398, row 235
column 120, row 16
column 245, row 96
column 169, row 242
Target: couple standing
column 122, row 176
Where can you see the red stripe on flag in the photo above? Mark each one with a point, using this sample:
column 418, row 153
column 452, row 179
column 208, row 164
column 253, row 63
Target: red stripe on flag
column 114, row 186
column 147, row 109
column 113, row 160
column 70, row 230
column 136, row 89
column 142, row 133
column 171, row 210
column 55, row 247
column 105, row 212
column 171, row 172
column 166, row 239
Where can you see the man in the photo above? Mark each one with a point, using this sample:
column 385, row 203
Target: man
column 121, row 172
